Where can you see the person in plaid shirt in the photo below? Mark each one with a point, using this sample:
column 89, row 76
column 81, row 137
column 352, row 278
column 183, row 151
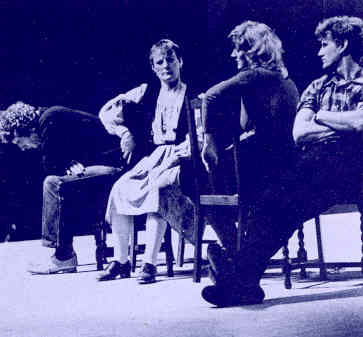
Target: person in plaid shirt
column 328, row 131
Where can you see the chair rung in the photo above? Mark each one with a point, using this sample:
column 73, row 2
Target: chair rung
column 219, row 200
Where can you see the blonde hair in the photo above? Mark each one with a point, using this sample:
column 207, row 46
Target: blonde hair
column 262, row 46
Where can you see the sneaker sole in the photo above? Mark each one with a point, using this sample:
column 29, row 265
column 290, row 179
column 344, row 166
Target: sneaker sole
column 50, row 272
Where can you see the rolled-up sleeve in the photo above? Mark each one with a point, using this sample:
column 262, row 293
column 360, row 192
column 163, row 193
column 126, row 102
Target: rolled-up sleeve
column 112, row 118
column 309, row 98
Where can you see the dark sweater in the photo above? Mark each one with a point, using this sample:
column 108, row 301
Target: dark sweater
column 270, row 102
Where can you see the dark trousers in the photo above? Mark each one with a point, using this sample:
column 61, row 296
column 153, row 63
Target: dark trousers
column 257, row 168
column 68, row 134
column 323, row 175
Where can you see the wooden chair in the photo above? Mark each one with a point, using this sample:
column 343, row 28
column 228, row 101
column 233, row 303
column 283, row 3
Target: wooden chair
column 302, row 262
column 135, row 248
column 98, row 189
column 203, row 201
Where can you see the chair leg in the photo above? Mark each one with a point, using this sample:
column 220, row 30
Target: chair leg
column 323, row 274
column 181, row 250
column 287, row 266
column 197, row 272
column 102, row 251
column 133, row 247
column 302, row 253
column 99, row 246
column 360, row 207
column 169, row 251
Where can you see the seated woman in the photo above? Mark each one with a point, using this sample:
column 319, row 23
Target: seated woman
column 260, row 101
column 153, row 186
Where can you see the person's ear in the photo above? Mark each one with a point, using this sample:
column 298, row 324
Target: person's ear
column 344, row 46
column 181, row 62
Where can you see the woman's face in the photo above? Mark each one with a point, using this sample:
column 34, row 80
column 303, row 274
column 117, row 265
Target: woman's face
column 239, row 55
column 166, row 65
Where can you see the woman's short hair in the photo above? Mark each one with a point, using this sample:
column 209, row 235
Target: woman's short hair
column 342, row 28
column 262, row 46
column 165, row 45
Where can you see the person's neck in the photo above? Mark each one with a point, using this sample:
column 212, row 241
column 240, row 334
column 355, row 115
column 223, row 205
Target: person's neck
column 347, row 67
column 171, row 86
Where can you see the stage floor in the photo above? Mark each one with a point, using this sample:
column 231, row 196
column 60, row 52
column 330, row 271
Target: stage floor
column 70, row 305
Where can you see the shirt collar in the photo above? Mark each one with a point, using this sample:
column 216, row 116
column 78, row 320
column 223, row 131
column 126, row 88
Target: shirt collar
column 337, row 79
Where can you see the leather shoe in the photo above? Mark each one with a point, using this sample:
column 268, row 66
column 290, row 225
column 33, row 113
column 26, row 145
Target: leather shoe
column 115, row 269
column 147, row 274
column 223, row 296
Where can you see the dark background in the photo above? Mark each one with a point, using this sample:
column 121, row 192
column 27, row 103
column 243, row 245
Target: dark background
column 80, row 53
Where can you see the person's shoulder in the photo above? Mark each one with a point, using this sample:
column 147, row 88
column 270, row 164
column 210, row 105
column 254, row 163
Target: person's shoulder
column 320, row 82
column 247, row 76
column 262, row 74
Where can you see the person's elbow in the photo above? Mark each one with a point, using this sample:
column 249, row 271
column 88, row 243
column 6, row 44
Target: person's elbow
column 298, row 135
column 358, row 125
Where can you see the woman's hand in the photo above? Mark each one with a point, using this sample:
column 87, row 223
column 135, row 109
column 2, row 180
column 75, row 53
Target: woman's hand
column 127, row 144
column 183, row 149
column 209, row 152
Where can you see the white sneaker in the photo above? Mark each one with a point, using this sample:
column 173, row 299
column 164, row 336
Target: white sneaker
column 56, row 266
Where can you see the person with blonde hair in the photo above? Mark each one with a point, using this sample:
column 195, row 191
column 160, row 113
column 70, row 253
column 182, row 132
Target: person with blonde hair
column 327, row 168
column 258, row 103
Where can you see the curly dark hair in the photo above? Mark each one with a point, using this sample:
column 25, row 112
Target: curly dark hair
column 20, row 117
column 343, row 28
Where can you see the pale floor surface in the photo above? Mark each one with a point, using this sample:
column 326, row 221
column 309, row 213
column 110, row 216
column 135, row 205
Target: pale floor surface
column 76, row 305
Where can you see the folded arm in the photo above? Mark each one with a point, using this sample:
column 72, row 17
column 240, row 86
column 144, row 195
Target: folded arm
column 307, row 129
column 342, row 121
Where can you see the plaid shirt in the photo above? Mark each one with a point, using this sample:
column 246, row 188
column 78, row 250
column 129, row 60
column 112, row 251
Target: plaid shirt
column 333, row 93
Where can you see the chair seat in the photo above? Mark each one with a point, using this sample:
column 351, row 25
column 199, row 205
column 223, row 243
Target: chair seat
column 342, row 208
column 219, row 200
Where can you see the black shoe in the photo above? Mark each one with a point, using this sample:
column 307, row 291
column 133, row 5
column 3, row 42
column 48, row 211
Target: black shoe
column 223, row 296
column 147, row 274
column 115, row 269
column 221, row 267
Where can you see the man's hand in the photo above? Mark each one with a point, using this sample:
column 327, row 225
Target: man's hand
column 127, row 144
column 307, row 129
column 209, row 152
column 351, row 120
column 75, row 169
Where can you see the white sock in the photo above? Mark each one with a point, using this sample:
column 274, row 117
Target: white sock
column 121, row 227
column 155, row 230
